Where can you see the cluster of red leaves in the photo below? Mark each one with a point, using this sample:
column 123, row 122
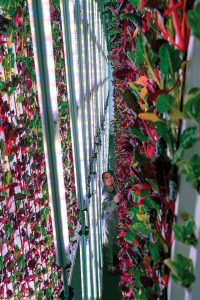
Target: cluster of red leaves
column 27, row 253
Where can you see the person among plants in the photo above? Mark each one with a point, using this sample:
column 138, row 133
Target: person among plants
column 109, row 220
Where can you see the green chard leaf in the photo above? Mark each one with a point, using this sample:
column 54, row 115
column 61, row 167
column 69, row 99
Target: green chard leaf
column 133, row 18
column 138, row 133
column 155, row 253
column 187, row 139
column 191, row 108
column 165, row 103
column 164, row 130
column 185, row 233
column 182, row 270
column 194, row 20
column 129, row 237
column 170, row 61
column 139, row 57
column 135, row 3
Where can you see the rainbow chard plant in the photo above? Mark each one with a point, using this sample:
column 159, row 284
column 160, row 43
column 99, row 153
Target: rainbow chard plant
column 148, row 41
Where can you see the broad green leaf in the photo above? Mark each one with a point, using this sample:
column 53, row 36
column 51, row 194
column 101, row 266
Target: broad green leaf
column 133, row 18
column 40, row 294
column 131, row 57
column 191, row 108
column 8, row 229
column 45, row 212
column 178, row 231
column 49, row 293
column 21, row 261
column 149, row 203
column 187, row 139
column 2, row 85
column 164, row 130
column 20, row 99
column 182, row 270
column 139, row 56
column 138, row 133
column 20, row 295
column 155, row 253
column 113, row 31
column 135, row 3
column 165, row 103
column 194, row 20
column 141, row 227
column 170, row 61
column 1, row 263
column 129, row 237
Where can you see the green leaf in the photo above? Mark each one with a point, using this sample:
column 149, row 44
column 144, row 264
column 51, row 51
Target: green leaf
column 135, row 3
column 12, row 89
column 155, row 253
column 19, row 295
column 194, row 20
column 2, row 85
column 40, row 294
column 129, row 237
column 165, row 103
column 164, row 130
column 138, row 133
column 182, row 270
column 45, row 212
column 1, row 263
column 113, row 31
column 187, row 139
column 133, row 18
column 21, row 261
column 178, row 232
column 139, row 56
column 141, row 227
column 20, row 99
column 191, row 108
column 170, row 61
column 131, row 100
column 49, row 293
column 8, row 229
column 131, row 57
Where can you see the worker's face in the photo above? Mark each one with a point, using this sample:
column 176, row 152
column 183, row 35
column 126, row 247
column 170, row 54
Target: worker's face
column 108, row 179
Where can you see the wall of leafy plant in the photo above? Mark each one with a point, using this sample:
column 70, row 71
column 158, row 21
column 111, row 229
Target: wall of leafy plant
column 27, row 254
column 148, row 42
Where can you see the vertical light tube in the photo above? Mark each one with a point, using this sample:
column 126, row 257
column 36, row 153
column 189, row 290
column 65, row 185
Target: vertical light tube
column 45, row 69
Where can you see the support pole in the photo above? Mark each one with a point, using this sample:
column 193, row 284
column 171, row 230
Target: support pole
column 40, row 18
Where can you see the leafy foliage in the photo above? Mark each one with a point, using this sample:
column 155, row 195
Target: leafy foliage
column 185, row 233
column 194, row 21
column 182, row 270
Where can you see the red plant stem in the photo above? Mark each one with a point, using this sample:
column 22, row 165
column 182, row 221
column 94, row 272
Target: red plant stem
column 171, row 9
column 184, row 26
column 146, row 197
column 177, row 27
column 148, row 131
